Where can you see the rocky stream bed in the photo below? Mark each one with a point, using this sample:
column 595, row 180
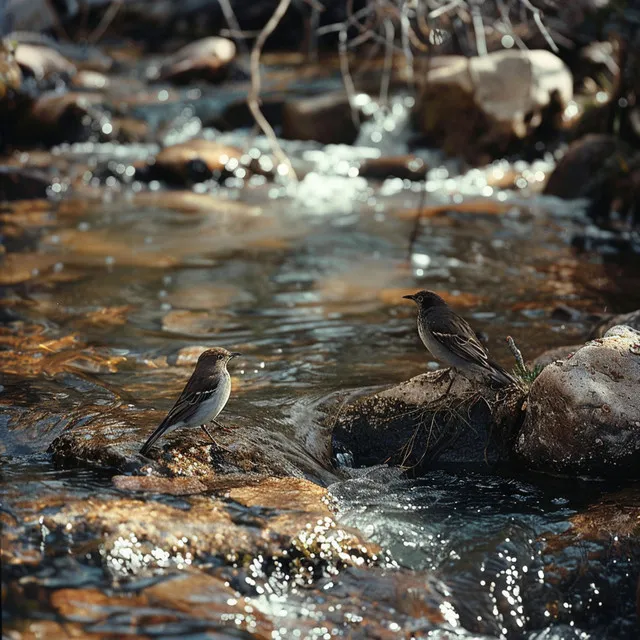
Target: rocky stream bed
column 357, row 493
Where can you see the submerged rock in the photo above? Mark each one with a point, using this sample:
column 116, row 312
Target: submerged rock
column 583, row 413
column 289, row 520
column 114, row 438
column 479, row 106
column 195, row 161
column 418, row 422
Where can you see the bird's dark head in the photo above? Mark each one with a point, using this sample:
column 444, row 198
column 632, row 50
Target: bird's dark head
column 215, row 358
column 426, row 299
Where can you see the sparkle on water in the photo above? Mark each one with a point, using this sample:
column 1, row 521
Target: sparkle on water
column 309, row 287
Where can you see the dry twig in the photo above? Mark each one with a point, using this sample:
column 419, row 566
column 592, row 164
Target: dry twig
column 253, row 99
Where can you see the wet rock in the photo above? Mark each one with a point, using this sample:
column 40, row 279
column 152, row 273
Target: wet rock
column 99, row 248
column 207, row 295
column 158, row 484
column 479, row 106
column 17, row 183
column 201, row 597
column 589, row 169
column 113, row 438
column 59, row 117
column 10, row 74
column 192, row 323
column 129, row 130
column 195, row 161
column 615, row 515
column 134, row 535
column 187, row 201
column 90, row 81
column 417, row 423
column 326, row 119
column 602, row 544
column 42, row 62
column 206, row 59
column 583, row 414
column 405, row 167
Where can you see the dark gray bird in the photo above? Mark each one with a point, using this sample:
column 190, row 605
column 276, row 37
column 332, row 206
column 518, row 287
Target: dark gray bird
column 451, row 340
column 202, row 399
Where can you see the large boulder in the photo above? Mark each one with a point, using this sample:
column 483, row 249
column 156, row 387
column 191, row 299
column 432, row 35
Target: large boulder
column 478, row 106
column 583, row 413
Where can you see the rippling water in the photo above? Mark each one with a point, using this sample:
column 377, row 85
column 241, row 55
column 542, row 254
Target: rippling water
column 307, row 283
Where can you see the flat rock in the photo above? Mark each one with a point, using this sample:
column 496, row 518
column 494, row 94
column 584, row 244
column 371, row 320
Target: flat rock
column 113, row 438
column 583, row 413
column 418, row 422
column 135, row 536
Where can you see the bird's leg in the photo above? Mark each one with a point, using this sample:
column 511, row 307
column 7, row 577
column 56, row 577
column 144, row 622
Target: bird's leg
column 441, row 374
column 204, row 428
column 221, row 426
column 452, row 375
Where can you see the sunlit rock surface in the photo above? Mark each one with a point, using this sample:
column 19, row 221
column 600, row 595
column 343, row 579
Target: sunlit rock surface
column 422, row 420
column 583, row 413
column 115, row 438
column 205, row 59
column 477, row 106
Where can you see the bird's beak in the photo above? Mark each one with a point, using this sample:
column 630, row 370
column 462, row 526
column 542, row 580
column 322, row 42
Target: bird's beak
column 235, row 354
column 410, row 297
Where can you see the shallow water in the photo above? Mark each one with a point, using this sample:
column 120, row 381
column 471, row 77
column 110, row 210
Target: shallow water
column 307, row 283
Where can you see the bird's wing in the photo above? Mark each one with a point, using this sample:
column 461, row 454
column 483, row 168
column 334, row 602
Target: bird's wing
column 184, row 409
column 454, row 333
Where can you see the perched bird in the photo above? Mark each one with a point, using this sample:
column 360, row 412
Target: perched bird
column 451, row 340
column 202, row 399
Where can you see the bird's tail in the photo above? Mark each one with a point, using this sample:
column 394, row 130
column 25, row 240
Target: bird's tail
column 500, row 376
column 152, row 439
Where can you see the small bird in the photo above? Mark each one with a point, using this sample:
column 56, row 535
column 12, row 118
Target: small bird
column 202, row 399
column 451, row 340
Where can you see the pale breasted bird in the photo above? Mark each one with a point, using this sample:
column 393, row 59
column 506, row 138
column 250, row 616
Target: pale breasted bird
column 451, row 340
column 202, row 399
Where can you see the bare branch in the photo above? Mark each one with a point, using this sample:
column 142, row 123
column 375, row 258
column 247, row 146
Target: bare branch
column 253, row 97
